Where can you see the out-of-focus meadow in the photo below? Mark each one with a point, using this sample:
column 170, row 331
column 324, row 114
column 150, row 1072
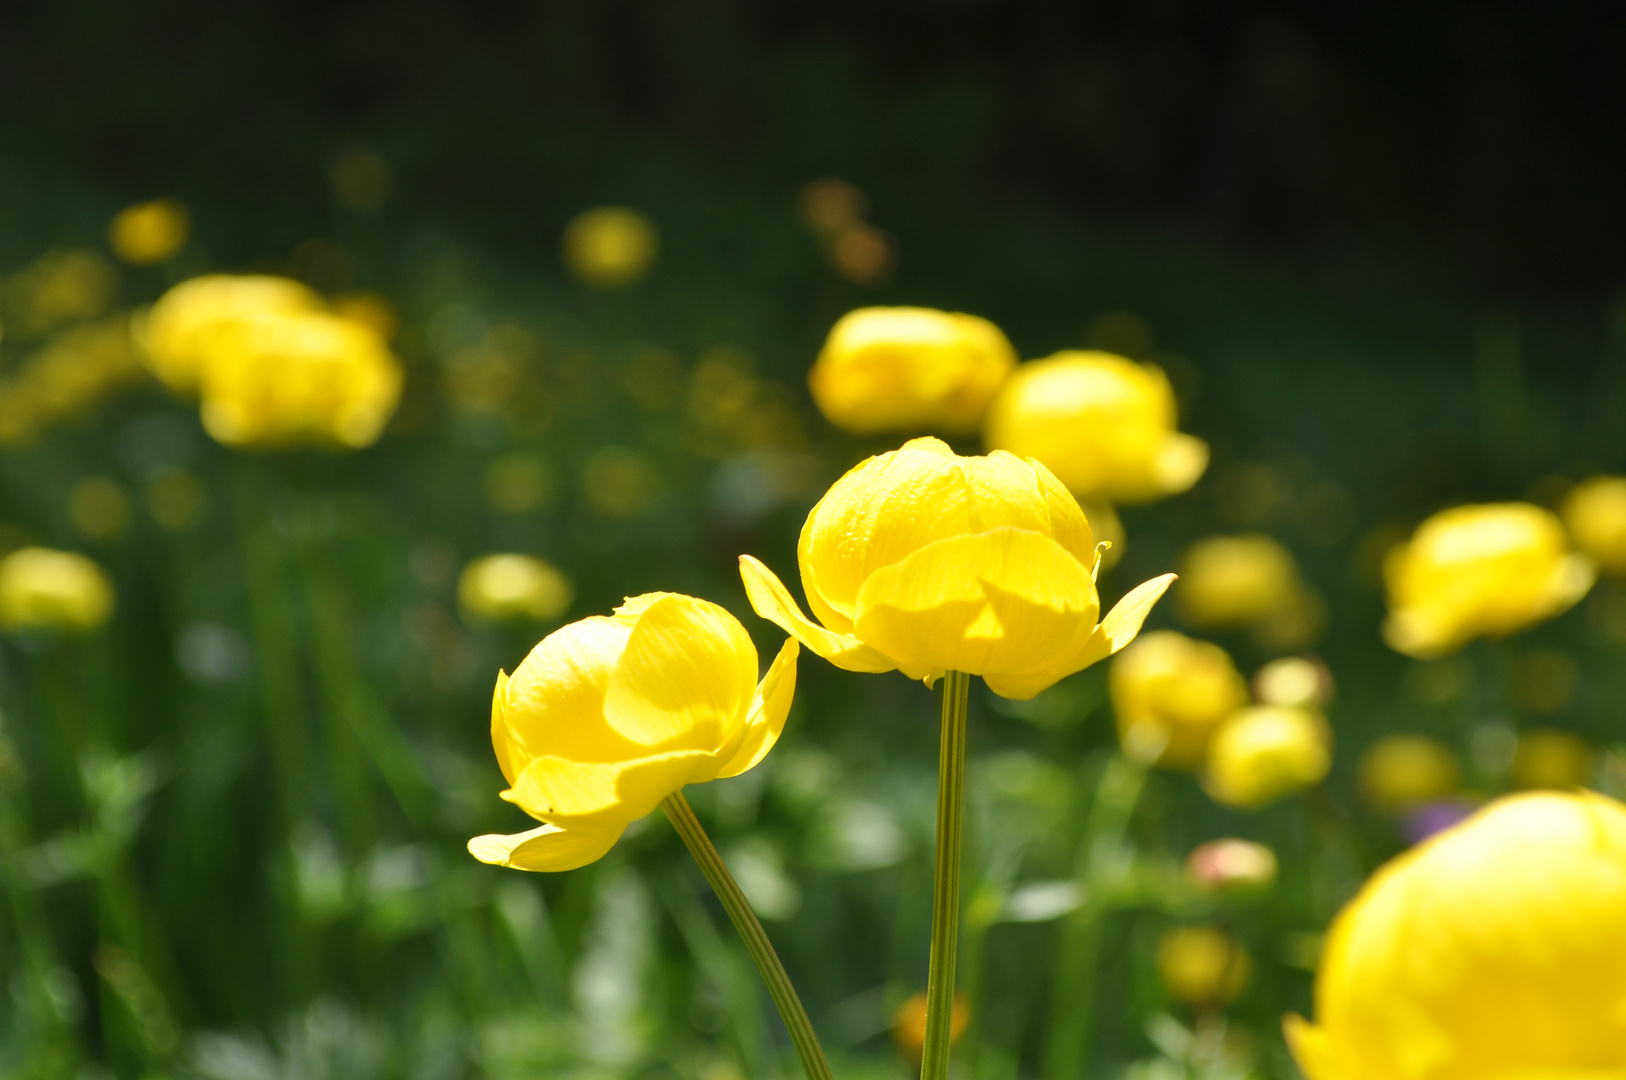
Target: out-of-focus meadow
column 239, row 763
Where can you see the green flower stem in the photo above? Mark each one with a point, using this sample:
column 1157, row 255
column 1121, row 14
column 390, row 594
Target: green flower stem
column 934, row 1060
column 750, row 929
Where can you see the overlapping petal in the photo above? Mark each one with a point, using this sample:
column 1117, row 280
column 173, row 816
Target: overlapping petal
column 769, row 708
column 547, row 847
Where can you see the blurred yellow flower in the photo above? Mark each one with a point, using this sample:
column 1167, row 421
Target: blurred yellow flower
column 1479, row 571
column 922, row 560
column 1293, row 680
column 179, row 333
column 41, row 589
column 297, row 378
column 909, row 369
column 1399, row 772
column 1595, row 514
column 1231, row 865
column 610, row 246
column 1265, row 751
column 500, row 587
column 909, row 1023
column 1169, row 694
column 609, row 715
column 1103, row 424
column 1548, row 758
column 149, row 232
column 1203, row 967
column 1491, row 951
column 1233, row 580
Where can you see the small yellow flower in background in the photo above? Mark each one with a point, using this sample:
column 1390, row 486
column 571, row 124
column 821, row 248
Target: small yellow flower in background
column 500, row 587
column 1293, row 680
column 149, row 232
column 1231, row 865
column 610, row 246
column 1235, row 580
column 924, row 561
column 1492, row 950
column 909, row 369
column 1547, row 758
column 41, row 589
column 1479, row 571
column 1105, row 425
column 1400, row 772
column 178, row 334
column 1169, row 694
column 909, row 1023
column 1266, row 751
column 609, row 715
column 1595, row 514
column 1202, row 967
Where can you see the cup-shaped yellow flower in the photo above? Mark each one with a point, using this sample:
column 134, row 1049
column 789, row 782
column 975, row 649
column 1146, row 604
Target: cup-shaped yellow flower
column 306, row 377
column 149, row 232
column 1235, row 580
column 1595, row 514
column 909, row 369
column 1493, row 950
column 609, row 715
column 1401, row 772
column 178, row 334
column 610, row 246
column 1201, row 966
column 501, row 587
column 1266, row 751
column 1480, row 571
column 1169, row 694
column 41, row 589
column 924, row 561
column 1105, row 425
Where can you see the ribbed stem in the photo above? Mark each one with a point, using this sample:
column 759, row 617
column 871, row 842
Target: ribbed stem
column 934, row 1059
column 750, row 929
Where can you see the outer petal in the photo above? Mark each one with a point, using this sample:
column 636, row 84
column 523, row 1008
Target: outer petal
column 574, row 794
column 547, row 847
column 685, row 678
column 768, row 712
column 1310, row 1050
column 499, row 730
column 773, row 602
column 555, row 698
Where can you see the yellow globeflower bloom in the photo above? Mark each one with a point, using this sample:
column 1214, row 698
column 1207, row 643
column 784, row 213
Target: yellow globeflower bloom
column 1491, row 952
column 1266, row 751
column 1399, row 772
column 1103, row 424
column 1595, row 514
column 610, row 246
column 609, row 715
column 1479, row 571
column 149, row 232
column 299, row 378
column 1203, row 967
column 41, row 589
column 178, row 334
column 499, row 587
column 1169, row 694
column 1231, row 580
column 909, row 369
column 924, row 561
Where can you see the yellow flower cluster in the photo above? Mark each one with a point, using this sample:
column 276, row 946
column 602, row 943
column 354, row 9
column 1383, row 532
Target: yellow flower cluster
column 41, row 589
column 273, row 366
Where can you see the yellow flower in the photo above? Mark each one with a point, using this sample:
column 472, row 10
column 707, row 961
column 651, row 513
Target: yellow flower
column 1231, row 865
column 499, row 587
column 178, row 334
column 609, row 715
column 149, row 232
column 299, row 378
column 1232, row 580
column 1595, row 514
column 1266, row 751
column 922, row 560
column 909, row 1023
column 1169, row 694
column 1399, row 772
column 1103, row 424
column 610, row 246
column 1491, row 952
column 909, row 369
column 1479, row 571
column 1293, row 680
column 1203, row 967
column 1547, row 758
column 41, row 589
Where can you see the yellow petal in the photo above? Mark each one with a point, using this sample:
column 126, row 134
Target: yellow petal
column 768, row 712
column 605, row 794
column 773, row 602
column 1310, row 1050
column 684, row 680
column 545, row 848
column 499, row 729
column 1128, row 615
column 1006, row 601
column 555, row 698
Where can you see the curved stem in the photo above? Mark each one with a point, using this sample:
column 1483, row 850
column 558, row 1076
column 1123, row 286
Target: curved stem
column 934, row 1058
column 756, row 939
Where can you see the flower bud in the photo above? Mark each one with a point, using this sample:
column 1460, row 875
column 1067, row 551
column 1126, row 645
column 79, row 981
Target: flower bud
column 1231, row 866
column 1202, row 967
column 1547, row 758
column 610, row 246
column 1169, row 694
column 501, row 587
column 1595, row 514
column 1399, row 772
column 909, row 1023
column 1233, row 580
column 41, row 589
column 1266, row 751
